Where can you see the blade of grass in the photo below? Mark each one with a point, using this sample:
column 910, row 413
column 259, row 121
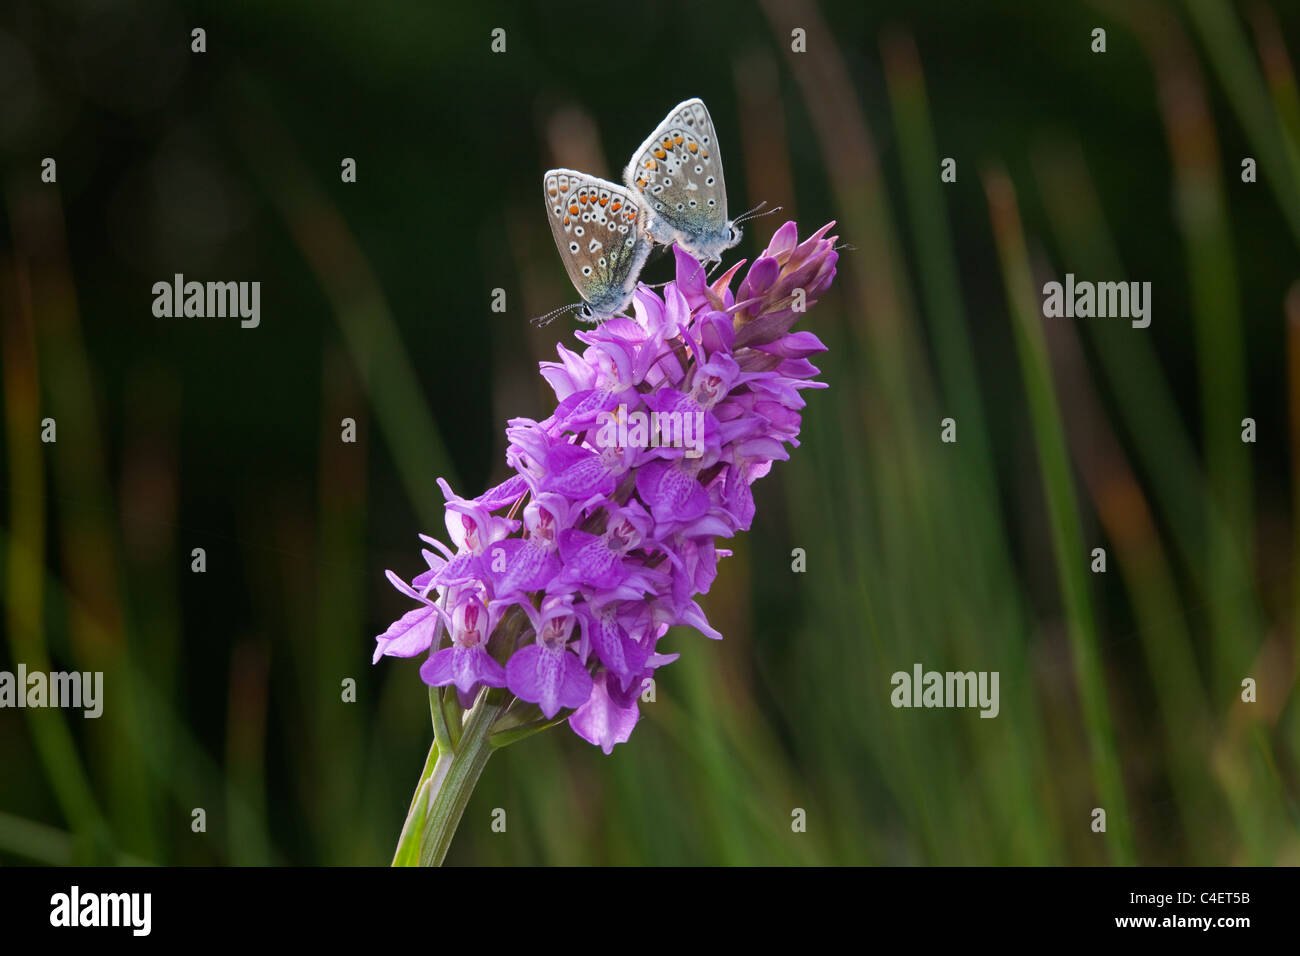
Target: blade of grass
column 940, row 284
column 1058, row 487
column 974, row 479
column 1122, row 507
column 1202, row 213
column 369, row 330
column 1280, row 77
column 89, row 551
column 47, row 845
column 1145, row 401
column 1293, row 392
column 1225, row 41
column 1134, row 375
column 913, row 511
column 24, row 548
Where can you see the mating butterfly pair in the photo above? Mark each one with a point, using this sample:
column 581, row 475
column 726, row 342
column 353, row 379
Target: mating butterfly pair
column 673, row 192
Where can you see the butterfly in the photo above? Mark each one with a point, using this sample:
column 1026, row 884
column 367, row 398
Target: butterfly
column 678, row 172
column 599, row 228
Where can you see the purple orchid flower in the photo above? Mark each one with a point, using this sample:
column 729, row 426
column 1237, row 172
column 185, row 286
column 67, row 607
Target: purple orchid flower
column 466, row 663
column 603, row 544
column 546, row 672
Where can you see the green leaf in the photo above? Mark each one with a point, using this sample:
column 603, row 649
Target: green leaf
column 441, row 734
column 408, row 844
column 454, row 717
column 504, row 738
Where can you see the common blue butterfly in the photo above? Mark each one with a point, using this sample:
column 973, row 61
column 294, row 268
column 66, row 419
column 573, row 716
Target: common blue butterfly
column 599, row 228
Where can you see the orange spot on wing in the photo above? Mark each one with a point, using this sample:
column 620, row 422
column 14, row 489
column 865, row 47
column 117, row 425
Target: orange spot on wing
column 617, row 205
column 660, row 154
column 573, row 210
column 604, row 200
column 651, row 164
column 677, row 140
column 692, row 147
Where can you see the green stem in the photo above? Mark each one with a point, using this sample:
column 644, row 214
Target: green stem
column 461, row 747
column 455, row 776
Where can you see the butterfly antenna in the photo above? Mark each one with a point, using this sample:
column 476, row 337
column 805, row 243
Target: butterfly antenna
column 550, row 317
column 755, row 213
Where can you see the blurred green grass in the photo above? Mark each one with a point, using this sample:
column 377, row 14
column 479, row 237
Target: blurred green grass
column 1118, row 691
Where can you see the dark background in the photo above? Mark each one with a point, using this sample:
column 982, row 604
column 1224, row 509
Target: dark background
column 1118, row 691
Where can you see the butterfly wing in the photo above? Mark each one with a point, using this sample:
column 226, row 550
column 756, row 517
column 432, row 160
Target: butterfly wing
column 678, row 172
column 597, row 227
